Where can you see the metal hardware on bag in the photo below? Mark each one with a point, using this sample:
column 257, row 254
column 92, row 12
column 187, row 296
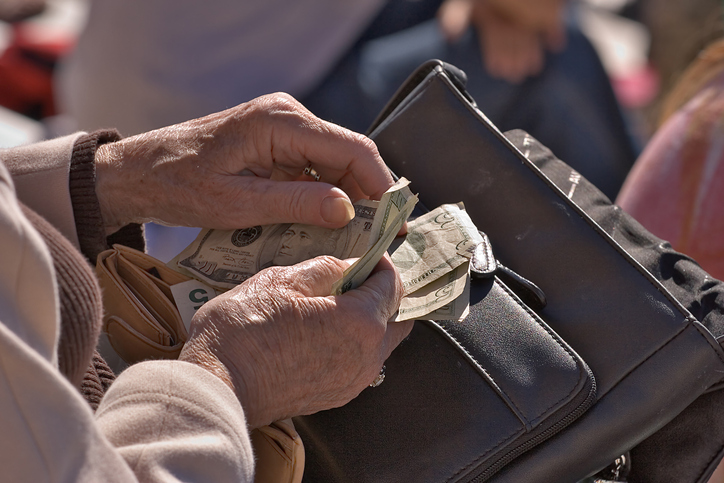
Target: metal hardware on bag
column 616, row 472
column 483, row 265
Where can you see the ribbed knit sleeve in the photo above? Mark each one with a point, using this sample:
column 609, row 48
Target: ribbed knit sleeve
column 86, row 208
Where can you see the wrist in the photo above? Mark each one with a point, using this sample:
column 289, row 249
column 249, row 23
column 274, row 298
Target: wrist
column 197, row 353
column 115, row 189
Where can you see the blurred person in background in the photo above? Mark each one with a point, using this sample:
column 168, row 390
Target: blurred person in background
column 155, row 63
column 676, row 187
column 679, row 30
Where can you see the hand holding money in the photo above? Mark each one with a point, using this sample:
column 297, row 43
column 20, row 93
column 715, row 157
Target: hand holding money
column 433, row 260
column 248, row 165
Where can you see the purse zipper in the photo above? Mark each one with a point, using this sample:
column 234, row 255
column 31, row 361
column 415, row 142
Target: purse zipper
column 537, row 439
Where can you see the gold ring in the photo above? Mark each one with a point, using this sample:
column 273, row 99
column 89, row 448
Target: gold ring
column 380, row 377
column 309, row 171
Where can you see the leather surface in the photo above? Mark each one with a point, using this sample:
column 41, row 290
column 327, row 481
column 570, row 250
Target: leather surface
column 688, row 448
column 517, row 354
column 441, row 405
column 544, row 238
column 279, row 453
column 612, row 312
column 650, row 357
column 121, row 302
column 140, row 319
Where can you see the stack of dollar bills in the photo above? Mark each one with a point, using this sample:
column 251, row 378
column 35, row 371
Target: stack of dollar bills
column 433, row 258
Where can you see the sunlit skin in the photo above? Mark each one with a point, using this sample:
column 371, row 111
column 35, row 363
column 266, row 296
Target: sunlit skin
column 278, row 340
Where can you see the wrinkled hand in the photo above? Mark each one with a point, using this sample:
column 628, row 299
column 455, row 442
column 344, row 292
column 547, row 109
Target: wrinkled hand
column 287, row 348
column 513, row 34
column 239, row 168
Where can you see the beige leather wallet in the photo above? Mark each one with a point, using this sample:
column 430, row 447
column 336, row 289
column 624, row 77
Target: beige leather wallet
column 279, row 453
column 142, row 321
column 140, row 318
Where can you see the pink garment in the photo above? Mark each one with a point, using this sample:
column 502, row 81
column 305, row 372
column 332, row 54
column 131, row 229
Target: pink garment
column 676, row 188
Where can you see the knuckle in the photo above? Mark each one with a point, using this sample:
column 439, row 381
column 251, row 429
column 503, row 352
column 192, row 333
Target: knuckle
column 327, row 265
column 367, row 143
column 295, row 203
column 280, row 102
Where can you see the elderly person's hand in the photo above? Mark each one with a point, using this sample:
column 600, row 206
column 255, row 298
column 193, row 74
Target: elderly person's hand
column 513, row 34
column 288, row 348
column 239, row 168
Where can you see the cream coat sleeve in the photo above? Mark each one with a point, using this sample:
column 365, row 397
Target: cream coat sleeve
column 41, row 174
column 161, row 422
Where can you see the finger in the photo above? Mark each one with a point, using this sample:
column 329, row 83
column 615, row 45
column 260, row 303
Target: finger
column 524, row 54
column 382, row 290
column 535, row 60
column 335, row 152
column 527, row 58
column 259, row 201
column 490, row 50
column 396, row 333
column 403, row 230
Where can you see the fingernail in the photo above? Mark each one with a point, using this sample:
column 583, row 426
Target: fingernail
column 337, row 210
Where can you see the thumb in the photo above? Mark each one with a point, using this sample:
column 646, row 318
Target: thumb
column 265, row 202
column 382, row 290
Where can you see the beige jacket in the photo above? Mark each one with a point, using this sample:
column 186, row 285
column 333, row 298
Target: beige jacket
column 160, row 421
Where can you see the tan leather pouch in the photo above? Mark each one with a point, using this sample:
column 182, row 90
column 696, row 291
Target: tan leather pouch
column 141, row 321
column 279, row 453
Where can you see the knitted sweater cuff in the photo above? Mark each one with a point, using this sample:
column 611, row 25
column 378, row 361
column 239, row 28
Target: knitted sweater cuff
column 86, row 208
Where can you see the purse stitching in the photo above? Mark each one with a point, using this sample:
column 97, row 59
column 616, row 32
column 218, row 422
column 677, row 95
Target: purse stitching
column 466, row 467
column 708, row 464
column 489, row 379
column 698, row 328
column 556, row 339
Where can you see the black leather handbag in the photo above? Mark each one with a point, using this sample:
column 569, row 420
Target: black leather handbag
column 580, row 346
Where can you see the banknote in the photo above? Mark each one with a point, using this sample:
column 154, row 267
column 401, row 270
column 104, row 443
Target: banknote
column 391, row 203
column 458, row 309
column 435, row 296
column 433, row 259
column 225, row 258
column 394, row 209
column 436, row 243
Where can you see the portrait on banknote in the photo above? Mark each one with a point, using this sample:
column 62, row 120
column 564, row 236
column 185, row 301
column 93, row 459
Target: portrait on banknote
column 294, row 243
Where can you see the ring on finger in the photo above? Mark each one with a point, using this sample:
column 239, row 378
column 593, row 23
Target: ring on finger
column 379, row 379
column 309, row 171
